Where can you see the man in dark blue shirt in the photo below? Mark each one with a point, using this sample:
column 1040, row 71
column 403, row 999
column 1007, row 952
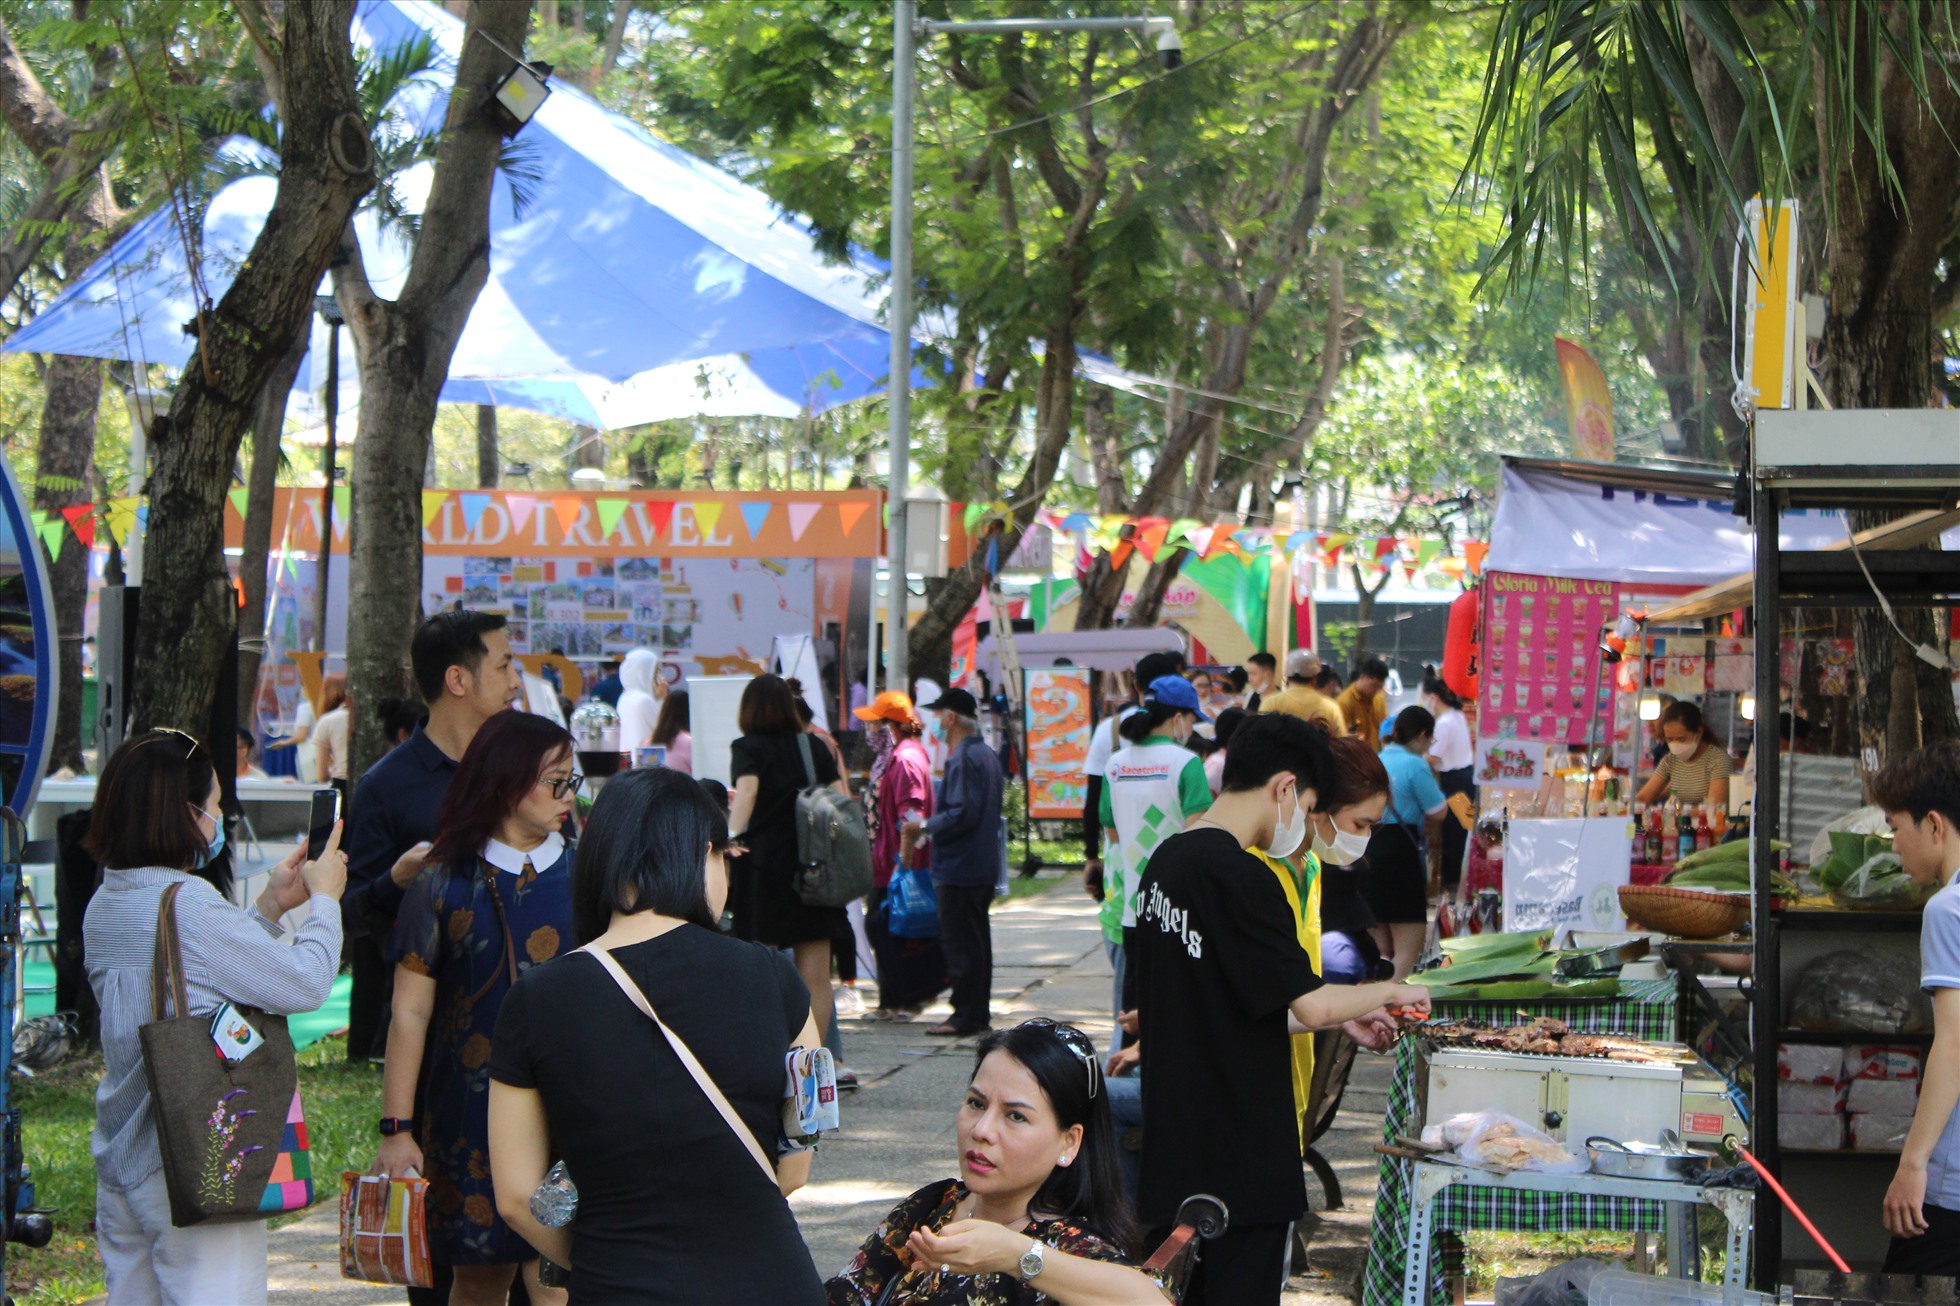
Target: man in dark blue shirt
column 466, row 674
column 609, row 686
column 965, row 833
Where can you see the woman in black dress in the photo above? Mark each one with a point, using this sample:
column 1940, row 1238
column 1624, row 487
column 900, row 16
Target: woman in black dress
column 672, row 1207
column 773, row 761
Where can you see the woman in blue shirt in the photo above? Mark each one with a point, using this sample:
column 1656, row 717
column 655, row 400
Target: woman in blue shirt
column 1399, row 851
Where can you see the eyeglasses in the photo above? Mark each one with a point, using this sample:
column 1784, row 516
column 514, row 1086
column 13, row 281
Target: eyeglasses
column 563, row 785
column 1076, row 1042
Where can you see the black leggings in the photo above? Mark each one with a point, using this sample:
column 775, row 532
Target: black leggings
column 1456, row 839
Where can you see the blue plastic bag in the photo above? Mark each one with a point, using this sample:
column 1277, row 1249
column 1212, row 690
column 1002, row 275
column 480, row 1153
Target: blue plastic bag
column 911, row 906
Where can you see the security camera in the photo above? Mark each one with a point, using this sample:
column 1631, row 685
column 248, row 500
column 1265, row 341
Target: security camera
column 1170, row 47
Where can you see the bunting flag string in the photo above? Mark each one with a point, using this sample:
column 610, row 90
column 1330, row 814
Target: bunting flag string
column 610, row 511
column 1119, row 535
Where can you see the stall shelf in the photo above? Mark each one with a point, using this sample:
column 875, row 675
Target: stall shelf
column 1907, row 461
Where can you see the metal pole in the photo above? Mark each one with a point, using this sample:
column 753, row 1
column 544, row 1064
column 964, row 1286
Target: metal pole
column 905, row 15
column 326, row 492
column 1003, row 26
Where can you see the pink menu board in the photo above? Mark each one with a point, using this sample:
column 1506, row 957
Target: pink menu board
column 1540, row 653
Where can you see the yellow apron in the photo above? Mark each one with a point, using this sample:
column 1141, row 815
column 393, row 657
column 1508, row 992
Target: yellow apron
column 1303, row 896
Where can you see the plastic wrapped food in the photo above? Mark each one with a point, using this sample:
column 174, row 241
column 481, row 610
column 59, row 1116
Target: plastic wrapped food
column 1881, row 1061
column 1872, row 991
column 1811, row 1133
column 1880, row 1133
column 1809, row 1063
column 1809, row 1099
column 1501, row 1142
column 1879, row 883
column 1883, row 1097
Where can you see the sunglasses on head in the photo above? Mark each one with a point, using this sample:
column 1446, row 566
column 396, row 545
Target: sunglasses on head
column 1078, row 1043
column 158, row 734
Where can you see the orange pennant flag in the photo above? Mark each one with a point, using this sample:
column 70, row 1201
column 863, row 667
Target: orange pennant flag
column 850, row 514
column 1473, row 555
column 567, row 508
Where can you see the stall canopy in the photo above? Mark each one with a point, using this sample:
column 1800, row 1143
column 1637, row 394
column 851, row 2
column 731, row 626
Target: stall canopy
column 1642, row 525
column 629, row 280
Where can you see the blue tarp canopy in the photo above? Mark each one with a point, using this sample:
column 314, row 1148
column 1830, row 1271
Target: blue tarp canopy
column 630, row 282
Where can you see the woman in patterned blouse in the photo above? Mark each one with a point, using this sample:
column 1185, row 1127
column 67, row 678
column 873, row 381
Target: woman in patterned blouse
column 494, row 901
column 1038, row 1190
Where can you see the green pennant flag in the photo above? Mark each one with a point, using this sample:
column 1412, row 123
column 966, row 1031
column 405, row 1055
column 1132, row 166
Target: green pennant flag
column 343, row 504
column 53, row 534
column 239, row 497
column 974, row 512
column 1427, row 551
column 610, row 511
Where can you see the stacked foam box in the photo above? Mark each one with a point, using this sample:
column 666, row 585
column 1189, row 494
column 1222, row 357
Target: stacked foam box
column 1882, row 1093
column 1860, row 1097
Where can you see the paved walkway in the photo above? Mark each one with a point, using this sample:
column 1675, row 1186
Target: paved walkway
column 898, row 1129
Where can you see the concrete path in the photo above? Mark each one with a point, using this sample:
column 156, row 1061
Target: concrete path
column 898, row 1129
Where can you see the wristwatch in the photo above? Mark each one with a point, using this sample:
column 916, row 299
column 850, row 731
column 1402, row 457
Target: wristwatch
column 392, row 1125
column 1031, row 1262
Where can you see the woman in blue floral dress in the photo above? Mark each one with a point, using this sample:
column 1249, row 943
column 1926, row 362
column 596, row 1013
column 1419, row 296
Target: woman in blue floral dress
column 494, row 901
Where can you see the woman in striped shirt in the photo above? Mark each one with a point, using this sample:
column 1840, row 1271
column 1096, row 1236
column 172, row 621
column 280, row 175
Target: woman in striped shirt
column 1696, row 768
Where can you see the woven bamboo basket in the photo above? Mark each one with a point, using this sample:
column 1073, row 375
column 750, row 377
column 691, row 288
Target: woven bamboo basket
column 1684, row 913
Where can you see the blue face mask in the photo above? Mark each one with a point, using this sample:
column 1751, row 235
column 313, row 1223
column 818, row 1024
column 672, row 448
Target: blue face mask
column 214, row 847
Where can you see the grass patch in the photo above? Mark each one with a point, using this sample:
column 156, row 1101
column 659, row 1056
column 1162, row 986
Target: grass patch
column 58, row 1112
column 1029, row 886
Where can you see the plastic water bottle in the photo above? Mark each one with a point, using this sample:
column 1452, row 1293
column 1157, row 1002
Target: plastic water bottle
column 556, row 1200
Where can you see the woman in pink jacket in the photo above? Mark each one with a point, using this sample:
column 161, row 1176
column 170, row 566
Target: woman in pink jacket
column 911, row 972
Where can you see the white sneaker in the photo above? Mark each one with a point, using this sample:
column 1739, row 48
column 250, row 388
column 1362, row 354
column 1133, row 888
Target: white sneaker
column 850, row 1003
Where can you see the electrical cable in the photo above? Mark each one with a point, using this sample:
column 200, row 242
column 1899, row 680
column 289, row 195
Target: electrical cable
column 1924, row 652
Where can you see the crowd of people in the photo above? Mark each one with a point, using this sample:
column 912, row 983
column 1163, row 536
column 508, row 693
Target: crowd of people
column 1264, row 842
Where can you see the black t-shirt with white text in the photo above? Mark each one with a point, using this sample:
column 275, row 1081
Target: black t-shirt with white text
column 1217, row 964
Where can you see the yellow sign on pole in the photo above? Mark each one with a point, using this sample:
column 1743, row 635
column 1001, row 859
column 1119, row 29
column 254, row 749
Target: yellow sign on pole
column 1769, row 313
column 1588, row 403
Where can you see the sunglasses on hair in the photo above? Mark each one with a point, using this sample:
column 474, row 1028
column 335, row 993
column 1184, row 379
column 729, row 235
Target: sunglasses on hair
column 1076, row 1042
column 189, row 741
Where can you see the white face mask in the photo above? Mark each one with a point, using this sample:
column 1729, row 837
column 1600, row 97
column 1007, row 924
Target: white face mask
column 1681, row 748
column 1288, row 835
column 1345, row 850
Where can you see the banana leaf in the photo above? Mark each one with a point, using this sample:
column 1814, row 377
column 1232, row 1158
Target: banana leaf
column 1478, row 947
column 1525, row 991
column 1484, row 970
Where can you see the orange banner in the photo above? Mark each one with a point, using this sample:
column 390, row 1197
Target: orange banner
column 602, row 524
column 1588, row 403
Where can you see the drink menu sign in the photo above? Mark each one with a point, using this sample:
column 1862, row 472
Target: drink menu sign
column 1540, row 656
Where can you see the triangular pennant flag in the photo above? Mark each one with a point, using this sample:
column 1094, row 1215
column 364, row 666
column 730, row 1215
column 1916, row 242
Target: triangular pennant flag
column 1180, row 530
column 343, row 504
column 662, row 513
column 568, row 508
column 800, row 517
column 474, row 506
column 1409, row 569
column 850, row 514
column 1151, row 538
column 1076, row 522
column 142, row 516
column 610, row 511
column 52, row 535
column 81, row 520
column 706, row 514
column 121, row 518
column 754, row 515
column 1385, row 547
column 520, row 507
column 432, row 501
column 1119, row 556
column 1473, row 555
column 37, row 519
column 1427, row 551
column 1200, row 537
column 971, row 517
column 239, row 496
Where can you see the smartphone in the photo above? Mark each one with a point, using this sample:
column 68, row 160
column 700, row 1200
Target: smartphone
column 320, row 822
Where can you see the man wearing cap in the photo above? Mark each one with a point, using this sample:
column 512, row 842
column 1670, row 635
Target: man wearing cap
column 910, row 971
column 1301, row 699
column 965, row 840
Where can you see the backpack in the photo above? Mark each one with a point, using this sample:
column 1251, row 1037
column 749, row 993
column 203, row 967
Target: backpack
column 833, row 842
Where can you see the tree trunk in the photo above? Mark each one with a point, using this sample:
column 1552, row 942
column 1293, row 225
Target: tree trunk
column 404, row 349
column 61, row 480
column 615, row 42
column 489, row 471
column 268, row 425
column 189, row 616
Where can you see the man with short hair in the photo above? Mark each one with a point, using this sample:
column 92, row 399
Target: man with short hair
column 466, row 674
column 1301, row 699
column 1920, row 795
column 1261, row 677
column 1221, row 979
column 1364, row 704
column 965, row 835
